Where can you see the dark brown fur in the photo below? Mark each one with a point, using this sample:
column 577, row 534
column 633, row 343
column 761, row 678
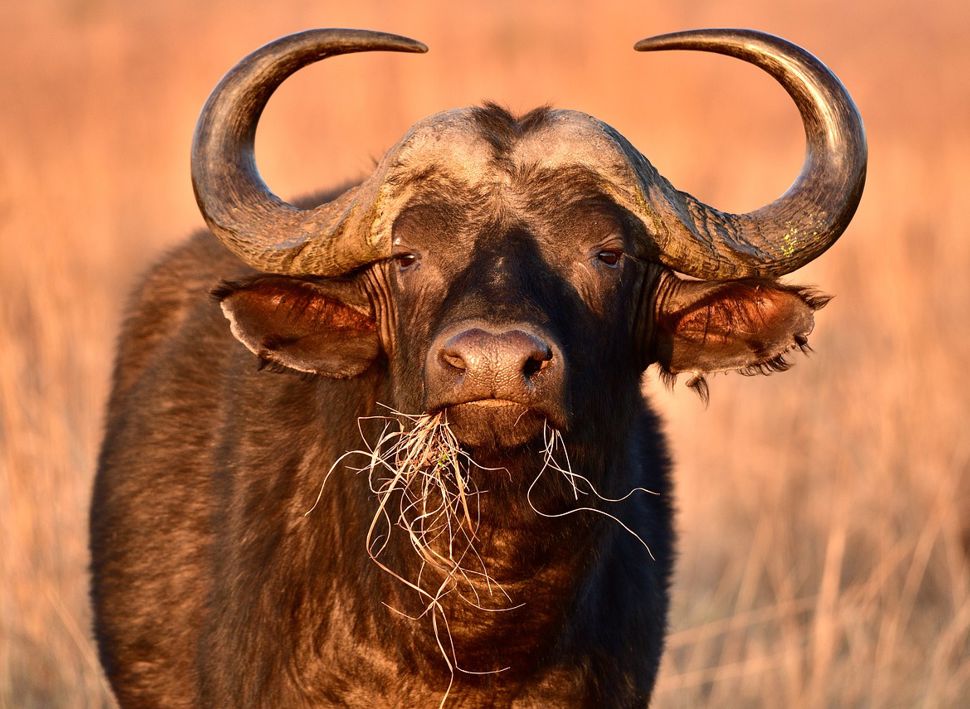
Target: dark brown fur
column 211, row 585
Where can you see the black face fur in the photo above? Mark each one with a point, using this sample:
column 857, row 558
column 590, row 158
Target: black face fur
column 542, row 251
column 564, row 266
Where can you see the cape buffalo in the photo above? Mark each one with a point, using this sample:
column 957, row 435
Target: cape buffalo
column 445, row 483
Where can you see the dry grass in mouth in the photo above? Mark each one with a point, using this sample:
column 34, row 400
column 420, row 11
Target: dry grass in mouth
column 425, row 488
column 552, row 440
column 420, row 476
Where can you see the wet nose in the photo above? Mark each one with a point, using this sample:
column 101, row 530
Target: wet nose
column 510, row 357
column 498, row 383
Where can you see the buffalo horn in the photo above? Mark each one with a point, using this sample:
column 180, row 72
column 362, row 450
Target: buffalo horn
column 263, row 230
column 798, row 226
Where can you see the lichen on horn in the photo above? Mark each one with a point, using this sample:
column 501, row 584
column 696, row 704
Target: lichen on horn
column 263, row 230
column 798, row 226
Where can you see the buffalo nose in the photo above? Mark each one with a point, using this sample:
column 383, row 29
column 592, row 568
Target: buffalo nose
column 504, row 356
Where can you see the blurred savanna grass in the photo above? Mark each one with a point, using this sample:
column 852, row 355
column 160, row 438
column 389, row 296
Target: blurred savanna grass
column 823, row 512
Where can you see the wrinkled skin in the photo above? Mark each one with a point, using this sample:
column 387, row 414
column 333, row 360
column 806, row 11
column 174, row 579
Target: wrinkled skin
column 212, row 587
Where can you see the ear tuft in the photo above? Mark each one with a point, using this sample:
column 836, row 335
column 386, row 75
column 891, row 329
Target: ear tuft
column 698, row 385
column 813, row 298
column 781, row 363
column 669, row 379
column 225, row 289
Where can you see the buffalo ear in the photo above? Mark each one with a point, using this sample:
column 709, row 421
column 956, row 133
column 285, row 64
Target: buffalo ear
column 324, row 327
column 747, row 326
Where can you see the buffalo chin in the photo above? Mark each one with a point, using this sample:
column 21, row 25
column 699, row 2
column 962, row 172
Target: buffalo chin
column 494, row 424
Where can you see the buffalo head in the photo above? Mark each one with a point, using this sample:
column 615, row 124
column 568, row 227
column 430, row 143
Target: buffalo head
column 512, row 271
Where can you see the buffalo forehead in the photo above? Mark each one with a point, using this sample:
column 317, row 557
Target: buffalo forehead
column 571, row 138
column 447, row 142
column 453, row 143
column 452, row 146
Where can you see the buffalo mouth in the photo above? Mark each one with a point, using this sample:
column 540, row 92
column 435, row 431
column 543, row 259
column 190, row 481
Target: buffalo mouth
column 495, row 423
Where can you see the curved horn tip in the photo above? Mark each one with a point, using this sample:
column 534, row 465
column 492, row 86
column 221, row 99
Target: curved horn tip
column 405, row 44
column 344, row 41
column 689, row 39
column 389, row 42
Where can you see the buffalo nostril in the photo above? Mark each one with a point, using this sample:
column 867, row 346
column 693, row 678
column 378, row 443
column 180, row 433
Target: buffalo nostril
column 453, row 359
column 536, row 361
column 491, row 359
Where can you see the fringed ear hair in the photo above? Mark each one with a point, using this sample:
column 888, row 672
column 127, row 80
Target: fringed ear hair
column 747, row 326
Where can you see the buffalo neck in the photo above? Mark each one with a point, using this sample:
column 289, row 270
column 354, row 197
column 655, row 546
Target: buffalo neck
column 537, row 548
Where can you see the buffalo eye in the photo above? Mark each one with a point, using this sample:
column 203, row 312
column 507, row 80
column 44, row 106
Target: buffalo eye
column 405, row 260
column 610, row 257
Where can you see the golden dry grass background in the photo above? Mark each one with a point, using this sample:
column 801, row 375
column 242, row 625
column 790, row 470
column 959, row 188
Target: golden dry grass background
column 821, row 510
